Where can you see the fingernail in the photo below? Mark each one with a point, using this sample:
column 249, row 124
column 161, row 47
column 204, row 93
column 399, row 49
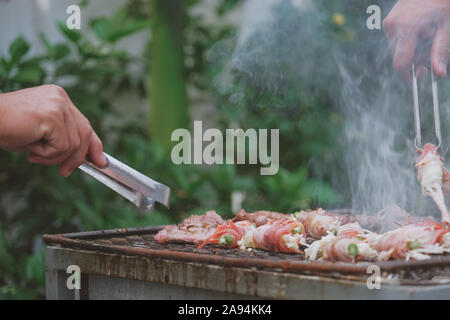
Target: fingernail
column 443, row 68
column 105, row 162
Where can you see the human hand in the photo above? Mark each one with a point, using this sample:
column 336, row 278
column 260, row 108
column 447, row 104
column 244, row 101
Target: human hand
column 44, row 122
column 413, row 21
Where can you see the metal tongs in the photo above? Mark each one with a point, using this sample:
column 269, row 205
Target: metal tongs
column 437, row 121
column 131, row 184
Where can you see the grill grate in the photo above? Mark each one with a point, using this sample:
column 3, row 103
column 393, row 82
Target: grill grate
column 140, row 242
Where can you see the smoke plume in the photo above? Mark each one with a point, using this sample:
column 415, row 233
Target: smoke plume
column 297, row 43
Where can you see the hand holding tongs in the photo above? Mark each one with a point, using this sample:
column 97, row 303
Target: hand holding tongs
column 437, row 121
column 131, row 184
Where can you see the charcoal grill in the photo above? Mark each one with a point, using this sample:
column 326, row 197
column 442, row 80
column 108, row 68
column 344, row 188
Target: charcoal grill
column 130, row 264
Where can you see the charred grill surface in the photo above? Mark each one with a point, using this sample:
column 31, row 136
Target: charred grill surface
column 140, row 242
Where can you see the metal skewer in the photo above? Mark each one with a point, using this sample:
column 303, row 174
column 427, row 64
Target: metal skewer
column 418, row 137
column 437, row 121
column 437, row 118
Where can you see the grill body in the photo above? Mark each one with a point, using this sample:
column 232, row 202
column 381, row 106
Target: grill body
column 129, row 264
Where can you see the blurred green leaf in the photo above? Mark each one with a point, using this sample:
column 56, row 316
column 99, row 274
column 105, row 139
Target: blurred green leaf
column 72, row 35
column 89, row 218
column 111, row 30
column 84, row 3
column 59, row 51
column 6, row 261
column 227, row 5
column 30, row 75
column 18, row 49
column 3, row 71
column 35, row 267
column 33, row 62
column 44, row 41
column 324, row 193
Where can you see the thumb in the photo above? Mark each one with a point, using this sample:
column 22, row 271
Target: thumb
column 441, row 49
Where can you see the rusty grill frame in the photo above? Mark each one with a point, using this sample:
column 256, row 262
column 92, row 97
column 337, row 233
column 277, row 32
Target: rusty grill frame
column 85, row 241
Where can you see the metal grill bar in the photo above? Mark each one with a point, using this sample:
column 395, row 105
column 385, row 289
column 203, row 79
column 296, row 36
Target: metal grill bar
column 140, row 242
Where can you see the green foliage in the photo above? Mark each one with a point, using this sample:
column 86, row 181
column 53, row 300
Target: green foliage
column 118, row 26
column 16, row 71
column 35, row 199
column 167, row 88
column 17, row 50
column 289, row 191
column 271, row 81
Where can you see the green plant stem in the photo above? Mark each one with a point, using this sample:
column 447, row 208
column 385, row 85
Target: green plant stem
column 168, row 97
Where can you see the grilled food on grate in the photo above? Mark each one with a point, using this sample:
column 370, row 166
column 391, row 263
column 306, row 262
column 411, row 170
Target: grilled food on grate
column 331, row 240
column 434, row 178
column 280, row 235
column 317, row 223
column 195, row 229
column 350, row 243
column 229, row 234
column 258, row 218
column 414, row 241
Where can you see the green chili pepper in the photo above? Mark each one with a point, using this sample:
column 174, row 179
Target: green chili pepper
column 414, row 244
column 297, row 230
column 352, row 250
column 320, row 253
column 226, row 239
column 360, row 238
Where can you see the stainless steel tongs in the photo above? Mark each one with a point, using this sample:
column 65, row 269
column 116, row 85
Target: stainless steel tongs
column 437, row 121
column 131, row 184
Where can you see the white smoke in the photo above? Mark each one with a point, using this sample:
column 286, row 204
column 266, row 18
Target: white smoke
column 357, row 75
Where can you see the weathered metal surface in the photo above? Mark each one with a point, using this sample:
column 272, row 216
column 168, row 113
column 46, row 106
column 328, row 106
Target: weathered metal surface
column 123, row 289
column 116, row 276
column 139, row 242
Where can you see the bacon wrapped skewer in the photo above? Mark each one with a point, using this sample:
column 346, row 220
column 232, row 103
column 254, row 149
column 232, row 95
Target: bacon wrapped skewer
column 434, row 178
column 280, row 235
column 348, row 250
column 228, row 234
column 414, row 241
column 350, row 230
column 317, row 223
column 258, row 217
column 349, row 245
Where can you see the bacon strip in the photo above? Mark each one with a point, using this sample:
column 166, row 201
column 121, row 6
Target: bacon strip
column 350, row 244
column 367, row 221
column 194, row 229
column 348, row 250
column 316, row 222
column 396, row 244
column 350, row 230
column 280, row 235
column 258, row 218
column 234, row 230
